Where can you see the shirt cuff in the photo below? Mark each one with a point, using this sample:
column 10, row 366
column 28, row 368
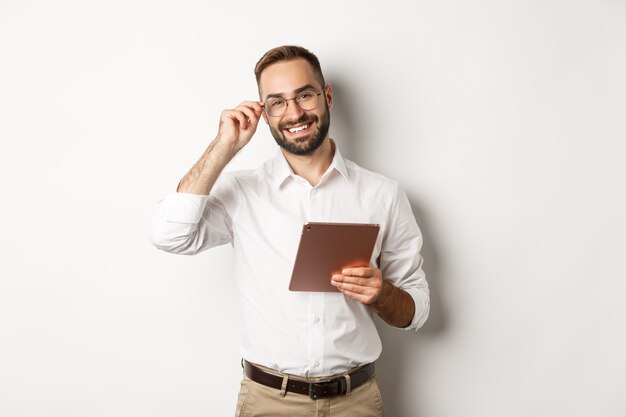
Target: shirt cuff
column 422, row 307
column 184, row 207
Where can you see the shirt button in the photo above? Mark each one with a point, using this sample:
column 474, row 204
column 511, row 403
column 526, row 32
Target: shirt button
column 316, row 320
column 316, row 364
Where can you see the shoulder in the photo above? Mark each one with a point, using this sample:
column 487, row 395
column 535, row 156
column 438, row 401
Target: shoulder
column 237, row 176
column 384, row 194
column 364, row 178
column 246, row 178
column 231, row 187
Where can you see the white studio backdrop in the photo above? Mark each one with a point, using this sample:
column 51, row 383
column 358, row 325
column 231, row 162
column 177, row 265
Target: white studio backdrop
column 504, row 121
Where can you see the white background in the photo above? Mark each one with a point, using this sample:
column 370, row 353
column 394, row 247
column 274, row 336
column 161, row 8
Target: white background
column 504, row 121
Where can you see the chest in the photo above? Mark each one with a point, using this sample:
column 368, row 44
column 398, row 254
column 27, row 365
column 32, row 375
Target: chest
column 270, row 221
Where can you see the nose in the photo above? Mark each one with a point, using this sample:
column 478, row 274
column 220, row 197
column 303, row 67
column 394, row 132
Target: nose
column 293, row 111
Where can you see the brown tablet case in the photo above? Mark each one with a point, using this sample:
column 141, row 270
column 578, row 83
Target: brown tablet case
column 326, row 248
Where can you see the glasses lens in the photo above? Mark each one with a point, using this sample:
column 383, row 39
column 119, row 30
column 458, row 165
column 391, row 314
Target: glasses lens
column 307, row 100
column 276, row 106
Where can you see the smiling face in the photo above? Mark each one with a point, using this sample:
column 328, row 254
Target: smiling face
column 297, row 131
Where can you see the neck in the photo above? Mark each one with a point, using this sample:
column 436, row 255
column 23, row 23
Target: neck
column 311, row 167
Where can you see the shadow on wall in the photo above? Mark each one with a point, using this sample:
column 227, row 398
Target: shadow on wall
column 344, row 126
column 398, row 363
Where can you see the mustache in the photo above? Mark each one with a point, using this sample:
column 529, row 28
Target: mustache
column 304, row 119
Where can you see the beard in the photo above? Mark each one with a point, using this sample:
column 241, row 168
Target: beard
column 308, row 144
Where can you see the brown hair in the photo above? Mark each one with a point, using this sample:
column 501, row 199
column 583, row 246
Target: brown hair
column 287, row 53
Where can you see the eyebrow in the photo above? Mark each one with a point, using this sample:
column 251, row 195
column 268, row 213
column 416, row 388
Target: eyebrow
column 296, row 91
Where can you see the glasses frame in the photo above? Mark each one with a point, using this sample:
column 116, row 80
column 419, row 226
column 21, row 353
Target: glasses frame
column 287, row 100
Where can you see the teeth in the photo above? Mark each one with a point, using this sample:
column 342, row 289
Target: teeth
column 299, row 128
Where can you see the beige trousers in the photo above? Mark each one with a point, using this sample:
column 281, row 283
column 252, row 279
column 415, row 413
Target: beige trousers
column 256, row 400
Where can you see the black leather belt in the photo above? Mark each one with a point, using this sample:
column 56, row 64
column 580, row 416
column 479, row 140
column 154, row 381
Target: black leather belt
column 321, row 389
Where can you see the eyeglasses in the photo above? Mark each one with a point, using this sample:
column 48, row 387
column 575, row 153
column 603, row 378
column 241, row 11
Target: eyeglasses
column 306, row 100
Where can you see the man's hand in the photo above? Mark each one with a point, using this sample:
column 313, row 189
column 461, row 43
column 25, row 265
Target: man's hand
column 366, row 285
column 363, row 284
column 237, row 126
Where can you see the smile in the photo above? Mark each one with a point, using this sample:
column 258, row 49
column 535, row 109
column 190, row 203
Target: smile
column 299, row 128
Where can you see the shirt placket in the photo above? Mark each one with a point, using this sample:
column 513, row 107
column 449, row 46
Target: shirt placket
column 317, row 320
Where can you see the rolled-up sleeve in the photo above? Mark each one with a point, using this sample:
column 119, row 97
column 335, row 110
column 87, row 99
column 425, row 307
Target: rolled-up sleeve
column 401, row 262
column 188, row 223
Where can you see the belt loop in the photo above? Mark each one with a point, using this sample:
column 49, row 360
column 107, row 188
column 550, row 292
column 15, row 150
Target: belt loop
column 348, row 385
column 283, row 387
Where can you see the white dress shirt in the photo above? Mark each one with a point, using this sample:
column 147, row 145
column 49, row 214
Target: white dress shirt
column 260, row 213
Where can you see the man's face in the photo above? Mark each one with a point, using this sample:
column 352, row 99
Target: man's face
column 298, row 131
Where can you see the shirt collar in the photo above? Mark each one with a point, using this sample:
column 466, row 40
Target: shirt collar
column 282, row 170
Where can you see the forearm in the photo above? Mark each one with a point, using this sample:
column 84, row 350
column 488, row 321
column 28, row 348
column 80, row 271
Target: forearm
column 202, row 176
column 394, row 305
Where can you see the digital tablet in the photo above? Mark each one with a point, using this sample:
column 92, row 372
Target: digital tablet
column 326, row 249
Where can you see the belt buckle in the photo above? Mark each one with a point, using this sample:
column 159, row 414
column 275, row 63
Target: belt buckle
column 314, row 395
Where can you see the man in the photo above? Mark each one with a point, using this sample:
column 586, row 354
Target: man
column 305, row 353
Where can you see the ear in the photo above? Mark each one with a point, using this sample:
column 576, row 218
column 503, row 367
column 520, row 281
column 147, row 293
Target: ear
column 328, row 93
column 263, row 114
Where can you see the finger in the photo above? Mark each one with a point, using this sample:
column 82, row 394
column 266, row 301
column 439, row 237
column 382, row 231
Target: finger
column 359, row 285
column 250, row 114
column 363, row 282
column 254, row 106
column 347, row 286
column 238, row 117
column 358, row 272
column 257, row 106
column 360, row 297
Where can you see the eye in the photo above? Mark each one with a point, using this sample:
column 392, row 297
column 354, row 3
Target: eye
column 305, row 95
column 277, row 103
